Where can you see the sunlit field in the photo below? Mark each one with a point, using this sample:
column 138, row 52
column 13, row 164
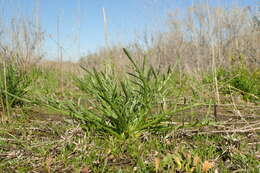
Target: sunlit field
column 183, row 100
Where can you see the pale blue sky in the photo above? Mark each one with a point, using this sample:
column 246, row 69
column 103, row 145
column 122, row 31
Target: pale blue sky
column 127, row 20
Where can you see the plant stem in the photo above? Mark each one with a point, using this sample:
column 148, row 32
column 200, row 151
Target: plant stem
column 6, row 106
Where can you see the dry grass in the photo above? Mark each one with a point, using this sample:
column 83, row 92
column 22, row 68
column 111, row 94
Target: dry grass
column 232, row 35
column 222, row 134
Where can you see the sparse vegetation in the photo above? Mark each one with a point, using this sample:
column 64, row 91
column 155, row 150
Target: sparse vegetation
column 238, row 79
column 14, row 81
column 191, row 104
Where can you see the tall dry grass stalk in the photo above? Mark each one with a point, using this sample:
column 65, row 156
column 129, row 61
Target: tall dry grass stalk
column 214, row 71
column 106, row 33
column 21, row 41
column 204, row 37
column 60, row 56
column 5, row 89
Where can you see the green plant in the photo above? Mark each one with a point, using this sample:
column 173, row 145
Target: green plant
column 241, row 80
column 13, row 82
column 47, row 80
column 246, row 82
column 124, row 106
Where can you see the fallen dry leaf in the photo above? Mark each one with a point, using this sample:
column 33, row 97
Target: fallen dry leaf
column 157, row 163
column 186, row 155
column 85, row 170
column 207, row 166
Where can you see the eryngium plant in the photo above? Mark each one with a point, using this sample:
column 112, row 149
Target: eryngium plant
column 121, row 106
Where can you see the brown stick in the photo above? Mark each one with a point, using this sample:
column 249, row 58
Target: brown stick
column 215, row 112
column 232, row 131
